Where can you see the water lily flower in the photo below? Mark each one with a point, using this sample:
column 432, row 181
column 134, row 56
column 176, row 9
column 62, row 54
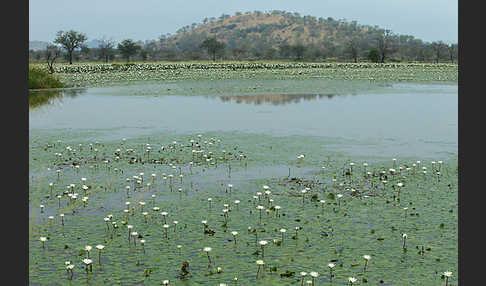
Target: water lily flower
column 234, row 233
column 366, row 258
column 43, row 239
column 69, row 268
column 447, row 275
column 100, row 248
column 88, row 262
column 207, row 250
column 314, row 275
column 262, row 244
column 259, row 263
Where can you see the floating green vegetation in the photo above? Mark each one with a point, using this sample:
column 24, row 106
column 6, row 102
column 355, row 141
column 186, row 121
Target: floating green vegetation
column 236, row 209
column 115, row 74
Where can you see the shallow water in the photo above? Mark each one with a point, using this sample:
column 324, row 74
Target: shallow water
column 403, row 118
column 263, row 133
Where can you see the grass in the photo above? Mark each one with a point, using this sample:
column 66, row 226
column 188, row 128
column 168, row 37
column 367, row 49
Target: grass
column 40, row 78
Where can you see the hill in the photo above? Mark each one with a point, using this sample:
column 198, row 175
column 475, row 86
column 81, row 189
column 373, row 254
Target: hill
column 37, row 45
column 278, row 34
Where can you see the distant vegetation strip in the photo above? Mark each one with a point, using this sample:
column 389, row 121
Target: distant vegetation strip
column 92, row 75
column 93, row 68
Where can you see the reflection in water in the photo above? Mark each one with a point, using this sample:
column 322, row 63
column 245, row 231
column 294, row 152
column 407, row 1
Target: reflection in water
column 275, row 99
column 42, row 97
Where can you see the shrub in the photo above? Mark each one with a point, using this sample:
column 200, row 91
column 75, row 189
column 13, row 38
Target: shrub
column 40, row 78
column 374, row 56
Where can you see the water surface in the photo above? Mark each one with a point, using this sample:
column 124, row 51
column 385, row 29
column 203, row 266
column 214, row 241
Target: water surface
column 399, row 119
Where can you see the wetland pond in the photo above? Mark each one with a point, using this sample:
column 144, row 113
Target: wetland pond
column 337, row 179
column 400, row 119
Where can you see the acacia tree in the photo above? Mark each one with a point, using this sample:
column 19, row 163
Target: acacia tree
column 70, row 41
column 128, row 48
column 212, row 46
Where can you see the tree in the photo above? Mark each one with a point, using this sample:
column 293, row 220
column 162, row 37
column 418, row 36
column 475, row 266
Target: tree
column 144, row 54
column 70, row 41
column 352, row 48
column 385, row 44
column 105, row 48
column 85, row 51
column 374, row 55
column 128, row 48
column 438, row 47
column 52, row 53
column 298, row 51
column 452, row 49
column 212, row 46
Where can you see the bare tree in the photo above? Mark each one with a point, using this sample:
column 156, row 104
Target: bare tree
column 106, row 48
column 52, row 53
column 385, row 43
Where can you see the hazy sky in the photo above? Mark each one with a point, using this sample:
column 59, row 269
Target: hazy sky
column 429, row 20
